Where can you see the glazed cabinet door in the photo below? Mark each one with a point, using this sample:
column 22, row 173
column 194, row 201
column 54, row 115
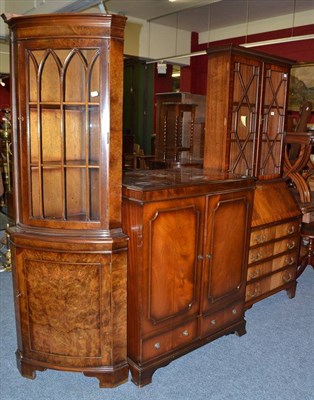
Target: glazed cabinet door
column 60, row 134
column 272, row 121
column 244, row 107
column 172, row 234
column 225, row 256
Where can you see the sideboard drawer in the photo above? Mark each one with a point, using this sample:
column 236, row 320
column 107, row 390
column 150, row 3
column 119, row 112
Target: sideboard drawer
column 170, row 340
column 218, row 320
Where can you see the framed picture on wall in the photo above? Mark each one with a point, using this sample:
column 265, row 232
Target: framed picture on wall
column 301, row 86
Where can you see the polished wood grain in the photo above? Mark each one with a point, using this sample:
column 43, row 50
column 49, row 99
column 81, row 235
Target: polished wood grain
column 245, row 113
column 186, row 262
column 69, row 253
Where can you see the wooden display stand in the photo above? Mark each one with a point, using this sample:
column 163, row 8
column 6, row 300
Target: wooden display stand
column 69, row 253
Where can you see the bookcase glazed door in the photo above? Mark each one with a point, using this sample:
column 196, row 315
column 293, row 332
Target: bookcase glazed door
column 68, row 250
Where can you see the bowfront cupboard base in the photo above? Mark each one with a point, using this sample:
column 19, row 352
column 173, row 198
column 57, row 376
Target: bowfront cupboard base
column 70, row 301
column 187, row 260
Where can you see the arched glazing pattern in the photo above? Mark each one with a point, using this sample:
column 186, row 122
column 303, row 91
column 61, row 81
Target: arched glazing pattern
column 64, row 134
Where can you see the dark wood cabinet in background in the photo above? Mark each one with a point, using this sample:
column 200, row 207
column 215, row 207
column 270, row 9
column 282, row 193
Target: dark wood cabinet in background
column 245, row 126
column 69, row 253
column 245, row 112
column 189, row 236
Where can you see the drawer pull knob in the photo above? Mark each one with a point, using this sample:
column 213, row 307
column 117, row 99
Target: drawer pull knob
column 255, row 273
column 255, row 293
column 185, row 332
column 256, row 257
column 287, row 277
column 234, row 311
column 208, row 256
column 289, row 261
column 291, row 245
column 157, row 346
column 213, row 322
column 291, row 229
column 18, row 294
column 200, row 257
column 261, row 238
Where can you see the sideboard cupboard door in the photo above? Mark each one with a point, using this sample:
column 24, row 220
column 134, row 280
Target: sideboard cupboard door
column 172, row 239
column 226, row 241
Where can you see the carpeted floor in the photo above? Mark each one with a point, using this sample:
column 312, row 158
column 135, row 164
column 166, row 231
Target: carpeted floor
column 273, row 361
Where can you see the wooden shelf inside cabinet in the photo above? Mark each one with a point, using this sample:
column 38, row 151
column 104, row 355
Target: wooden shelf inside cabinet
column 70, row 253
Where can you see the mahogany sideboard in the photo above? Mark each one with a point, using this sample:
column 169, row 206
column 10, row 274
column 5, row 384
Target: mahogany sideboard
column 187, row 261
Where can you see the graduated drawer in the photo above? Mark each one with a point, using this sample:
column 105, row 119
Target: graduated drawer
column 259, row 270
column 222, row 318
column 272, row 282
column 170, row 340
column 272, row 249
column 274, row 232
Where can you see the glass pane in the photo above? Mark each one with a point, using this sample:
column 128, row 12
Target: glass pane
column 35, row 193
column 75, row 139
column 76, row 193
column 33, row 83
column 94, row 194
column 52, row 193
column 244, row 118
column 94, row 78
column 94, row 141
column 273, row 118
column 34, row 149
column 51, row 139
column 75, row 78
column 50, row 79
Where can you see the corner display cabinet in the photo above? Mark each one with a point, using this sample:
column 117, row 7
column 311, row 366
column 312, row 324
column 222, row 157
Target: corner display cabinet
column 245, row 126
column 68, row 249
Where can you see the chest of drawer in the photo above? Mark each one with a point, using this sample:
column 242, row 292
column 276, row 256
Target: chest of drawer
column 258, row 270
column 267, row 234
column 271, row 283
column 271, row 249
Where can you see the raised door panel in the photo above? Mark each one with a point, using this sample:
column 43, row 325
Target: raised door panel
column 65, row 305
column 171, row 273
column 226, row 241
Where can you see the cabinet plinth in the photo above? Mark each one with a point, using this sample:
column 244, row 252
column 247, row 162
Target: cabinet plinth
column 69, row 253
column 189, row 236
